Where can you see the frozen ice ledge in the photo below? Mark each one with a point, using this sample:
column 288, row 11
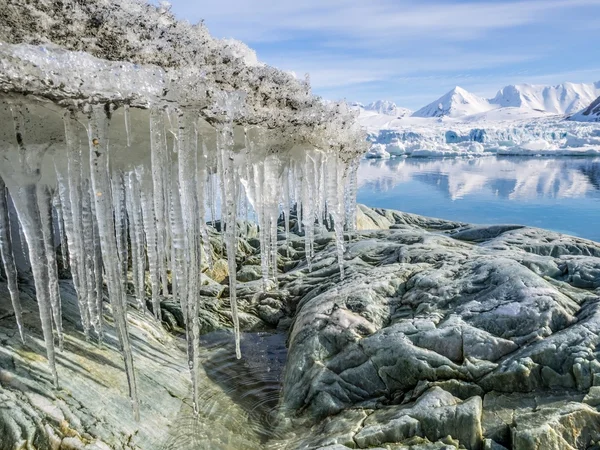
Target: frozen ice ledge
column 122, row 131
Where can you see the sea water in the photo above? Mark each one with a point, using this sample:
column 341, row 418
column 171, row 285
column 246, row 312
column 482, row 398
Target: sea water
column 560, row 194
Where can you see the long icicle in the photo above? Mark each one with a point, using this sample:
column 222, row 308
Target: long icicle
column 335, row 206
column 72, row 193
column 158, row 153
column 98, row 142
column 45, row 206
column 91, row 271
column 228, row 218
column 25, row 201
column 60, row 221
column 136, row 235
column 120, row 205
column 146, row 189
column 8, row 259
column 187, row 154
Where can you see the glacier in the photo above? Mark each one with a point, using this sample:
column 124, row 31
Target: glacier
column 519, row 120
column 505, row 131
column 129, row 146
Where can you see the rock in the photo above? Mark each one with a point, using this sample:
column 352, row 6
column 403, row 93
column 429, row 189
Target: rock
column 489, row 444
column 569, row 426
column 435, row 415
column 503, row 317
column 442, row 335
column 92, row 409
column 367, row 219
column 249, row 273
column 219, row 271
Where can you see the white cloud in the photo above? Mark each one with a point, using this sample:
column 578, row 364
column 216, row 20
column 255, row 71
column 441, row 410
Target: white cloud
column 371, row 20
column 406, row 50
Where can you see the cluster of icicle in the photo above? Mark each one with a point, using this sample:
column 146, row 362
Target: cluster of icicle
column 129, row 191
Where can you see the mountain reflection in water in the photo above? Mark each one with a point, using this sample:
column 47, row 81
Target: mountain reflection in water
column 561, row 194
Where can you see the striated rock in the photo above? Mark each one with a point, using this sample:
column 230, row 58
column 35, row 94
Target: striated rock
column 502, row 316
column 564, row 427
column 435, row 415
column 91, row 410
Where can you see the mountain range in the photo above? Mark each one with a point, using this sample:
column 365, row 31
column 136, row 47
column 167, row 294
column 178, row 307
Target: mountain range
column 578, row 99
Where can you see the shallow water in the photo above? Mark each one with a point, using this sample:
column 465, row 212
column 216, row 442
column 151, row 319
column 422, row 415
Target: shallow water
column 238, row 398
column 560, row 194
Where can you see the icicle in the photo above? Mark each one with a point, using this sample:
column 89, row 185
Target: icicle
column 74, row 204
column 257, row 178
column 351, row 189
column 179, row 278
column 308, row 214
column 335, row 200
column 8, row 259
column 127, row 124
column 120, row 205
column 97, row 281
column 189, row 206
column 98, row 141
column 25, row 201
column 60, row 220
column 212, row 196
column 158, row 153
column 45, row 205
column 146, row 188
column 23, row 244
column 201, row 193
column 136, row 235
column 21, row 176
column 228, row 217
column 286, row 209
column 320, row 171
column 90, row 270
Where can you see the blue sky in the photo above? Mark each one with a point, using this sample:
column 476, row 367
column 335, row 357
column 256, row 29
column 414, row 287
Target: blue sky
column 412, row 51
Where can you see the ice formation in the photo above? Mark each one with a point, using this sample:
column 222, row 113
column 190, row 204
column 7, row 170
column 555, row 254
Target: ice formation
column 116, row 157
column 502, row 134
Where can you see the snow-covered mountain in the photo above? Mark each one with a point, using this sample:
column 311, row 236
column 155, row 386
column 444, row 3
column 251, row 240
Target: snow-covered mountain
column 565, row 98
column 589, row 114
column 384, row 107
column 520, row 120
column 456, row 103
column 388, row 108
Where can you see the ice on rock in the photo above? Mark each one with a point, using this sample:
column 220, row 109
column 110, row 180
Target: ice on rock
column 134, row 156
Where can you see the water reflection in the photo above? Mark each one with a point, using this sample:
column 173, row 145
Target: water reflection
column 557, row 193
column 512, row 178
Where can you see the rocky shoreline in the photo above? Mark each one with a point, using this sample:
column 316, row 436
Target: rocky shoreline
column 442, row 335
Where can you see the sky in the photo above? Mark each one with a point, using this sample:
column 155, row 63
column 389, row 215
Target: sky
column 412, row 51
